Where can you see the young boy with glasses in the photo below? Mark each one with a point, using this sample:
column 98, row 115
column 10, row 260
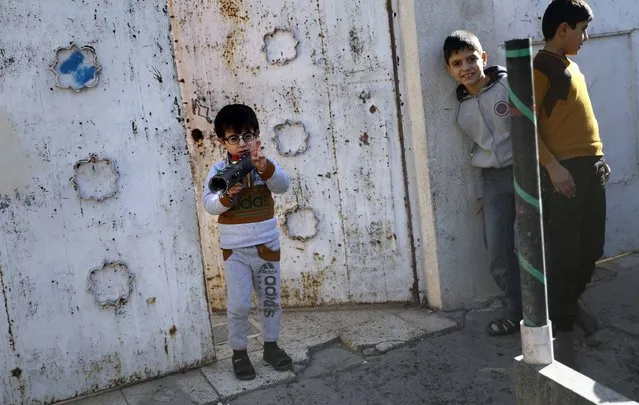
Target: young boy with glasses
column 249, row 238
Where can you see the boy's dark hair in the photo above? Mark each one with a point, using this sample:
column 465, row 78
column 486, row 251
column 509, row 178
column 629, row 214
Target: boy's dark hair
column 238, row 117
column 459, row 41
column 570, row 12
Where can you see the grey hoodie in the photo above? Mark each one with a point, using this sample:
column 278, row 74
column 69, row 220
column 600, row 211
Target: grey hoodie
column 485, row 118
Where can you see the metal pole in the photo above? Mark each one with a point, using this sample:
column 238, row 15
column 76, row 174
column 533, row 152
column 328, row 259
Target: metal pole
column 536, row 333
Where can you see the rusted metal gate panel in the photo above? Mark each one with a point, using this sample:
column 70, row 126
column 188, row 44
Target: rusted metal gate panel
column 320, row 76
column 102, row 282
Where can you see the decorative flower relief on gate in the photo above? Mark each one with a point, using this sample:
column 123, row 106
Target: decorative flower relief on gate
column 75, row 68
column 291, row 138
column 280, row 47
column 111, row 284
column 95, row 178
column 301, row 224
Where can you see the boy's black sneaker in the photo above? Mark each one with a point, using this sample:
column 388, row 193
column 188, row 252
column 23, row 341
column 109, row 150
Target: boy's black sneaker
column 242, row 366
column 277, row 357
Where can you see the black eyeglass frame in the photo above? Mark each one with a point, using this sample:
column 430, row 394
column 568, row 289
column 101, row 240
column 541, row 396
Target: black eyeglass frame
column 235, row 139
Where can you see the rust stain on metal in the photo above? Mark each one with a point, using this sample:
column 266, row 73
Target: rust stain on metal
column 364, row 138
column 229, row 49
column 373, row 109
column 233, row 9
column 294, row 94
column 3, row 291
column 173, row 330
column 309, row 292
column 198, row 137
column 216, row 287
column 355, row 43
column 151, row 300
column 400, row 132
column 107, row 364
column 16, row 372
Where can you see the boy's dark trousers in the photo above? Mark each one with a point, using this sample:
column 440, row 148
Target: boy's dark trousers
column 499, row 236
column 575, row 232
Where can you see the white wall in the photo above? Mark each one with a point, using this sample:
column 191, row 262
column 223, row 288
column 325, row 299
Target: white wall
column 54, row 338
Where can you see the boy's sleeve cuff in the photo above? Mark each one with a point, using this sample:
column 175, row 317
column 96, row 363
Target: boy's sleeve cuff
column 268, row 172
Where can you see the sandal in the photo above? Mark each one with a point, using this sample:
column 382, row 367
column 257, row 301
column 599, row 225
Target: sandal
column 502, row 327
column 243, row 368
column 278, row 359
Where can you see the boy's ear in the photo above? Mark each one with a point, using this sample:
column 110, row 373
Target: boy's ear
column 562, row 29
column 484, row 57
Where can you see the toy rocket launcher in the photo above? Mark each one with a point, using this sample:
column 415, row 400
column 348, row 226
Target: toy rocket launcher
column 232, row 174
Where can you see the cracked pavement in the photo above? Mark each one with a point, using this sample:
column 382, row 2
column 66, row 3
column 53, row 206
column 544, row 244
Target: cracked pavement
column 381, row 354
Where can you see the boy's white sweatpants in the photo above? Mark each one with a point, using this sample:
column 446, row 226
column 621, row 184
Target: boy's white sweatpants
column 247, row 268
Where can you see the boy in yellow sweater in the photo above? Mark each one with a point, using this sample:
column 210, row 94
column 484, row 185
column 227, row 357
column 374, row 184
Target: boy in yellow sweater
column 575, row 174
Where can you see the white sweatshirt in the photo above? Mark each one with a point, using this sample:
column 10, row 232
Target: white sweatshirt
column 249, row 219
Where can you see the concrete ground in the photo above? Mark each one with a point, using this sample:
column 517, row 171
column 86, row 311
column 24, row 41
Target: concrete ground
column 379, row 355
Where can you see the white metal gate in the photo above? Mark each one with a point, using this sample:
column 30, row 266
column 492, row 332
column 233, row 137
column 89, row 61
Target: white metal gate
column 101, row 281
column 320, row 76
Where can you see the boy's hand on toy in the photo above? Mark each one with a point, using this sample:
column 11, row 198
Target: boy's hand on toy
column 231, row 192
column 259, row 160
column 561, row 179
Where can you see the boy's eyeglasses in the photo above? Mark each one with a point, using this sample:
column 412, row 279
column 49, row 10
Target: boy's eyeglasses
column 235, row 139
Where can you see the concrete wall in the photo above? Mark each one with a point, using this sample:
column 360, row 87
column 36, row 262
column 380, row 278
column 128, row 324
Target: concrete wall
column 68, row 323
column 444, row 182
column 460, row 257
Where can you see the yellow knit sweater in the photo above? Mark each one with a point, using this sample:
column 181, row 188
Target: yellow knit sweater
column 566, row 124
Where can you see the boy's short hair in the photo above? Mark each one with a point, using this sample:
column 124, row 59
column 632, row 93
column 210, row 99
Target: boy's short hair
column 238, row 117
column 461, row 40
column 570, row 12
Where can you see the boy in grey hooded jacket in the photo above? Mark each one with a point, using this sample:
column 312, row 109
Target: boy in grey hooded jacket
column 484, row 116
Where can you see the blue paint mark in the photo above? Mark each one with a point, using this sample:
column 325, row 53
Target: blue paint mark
column 72, row 63
column 84, row 74
column 77, row 69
